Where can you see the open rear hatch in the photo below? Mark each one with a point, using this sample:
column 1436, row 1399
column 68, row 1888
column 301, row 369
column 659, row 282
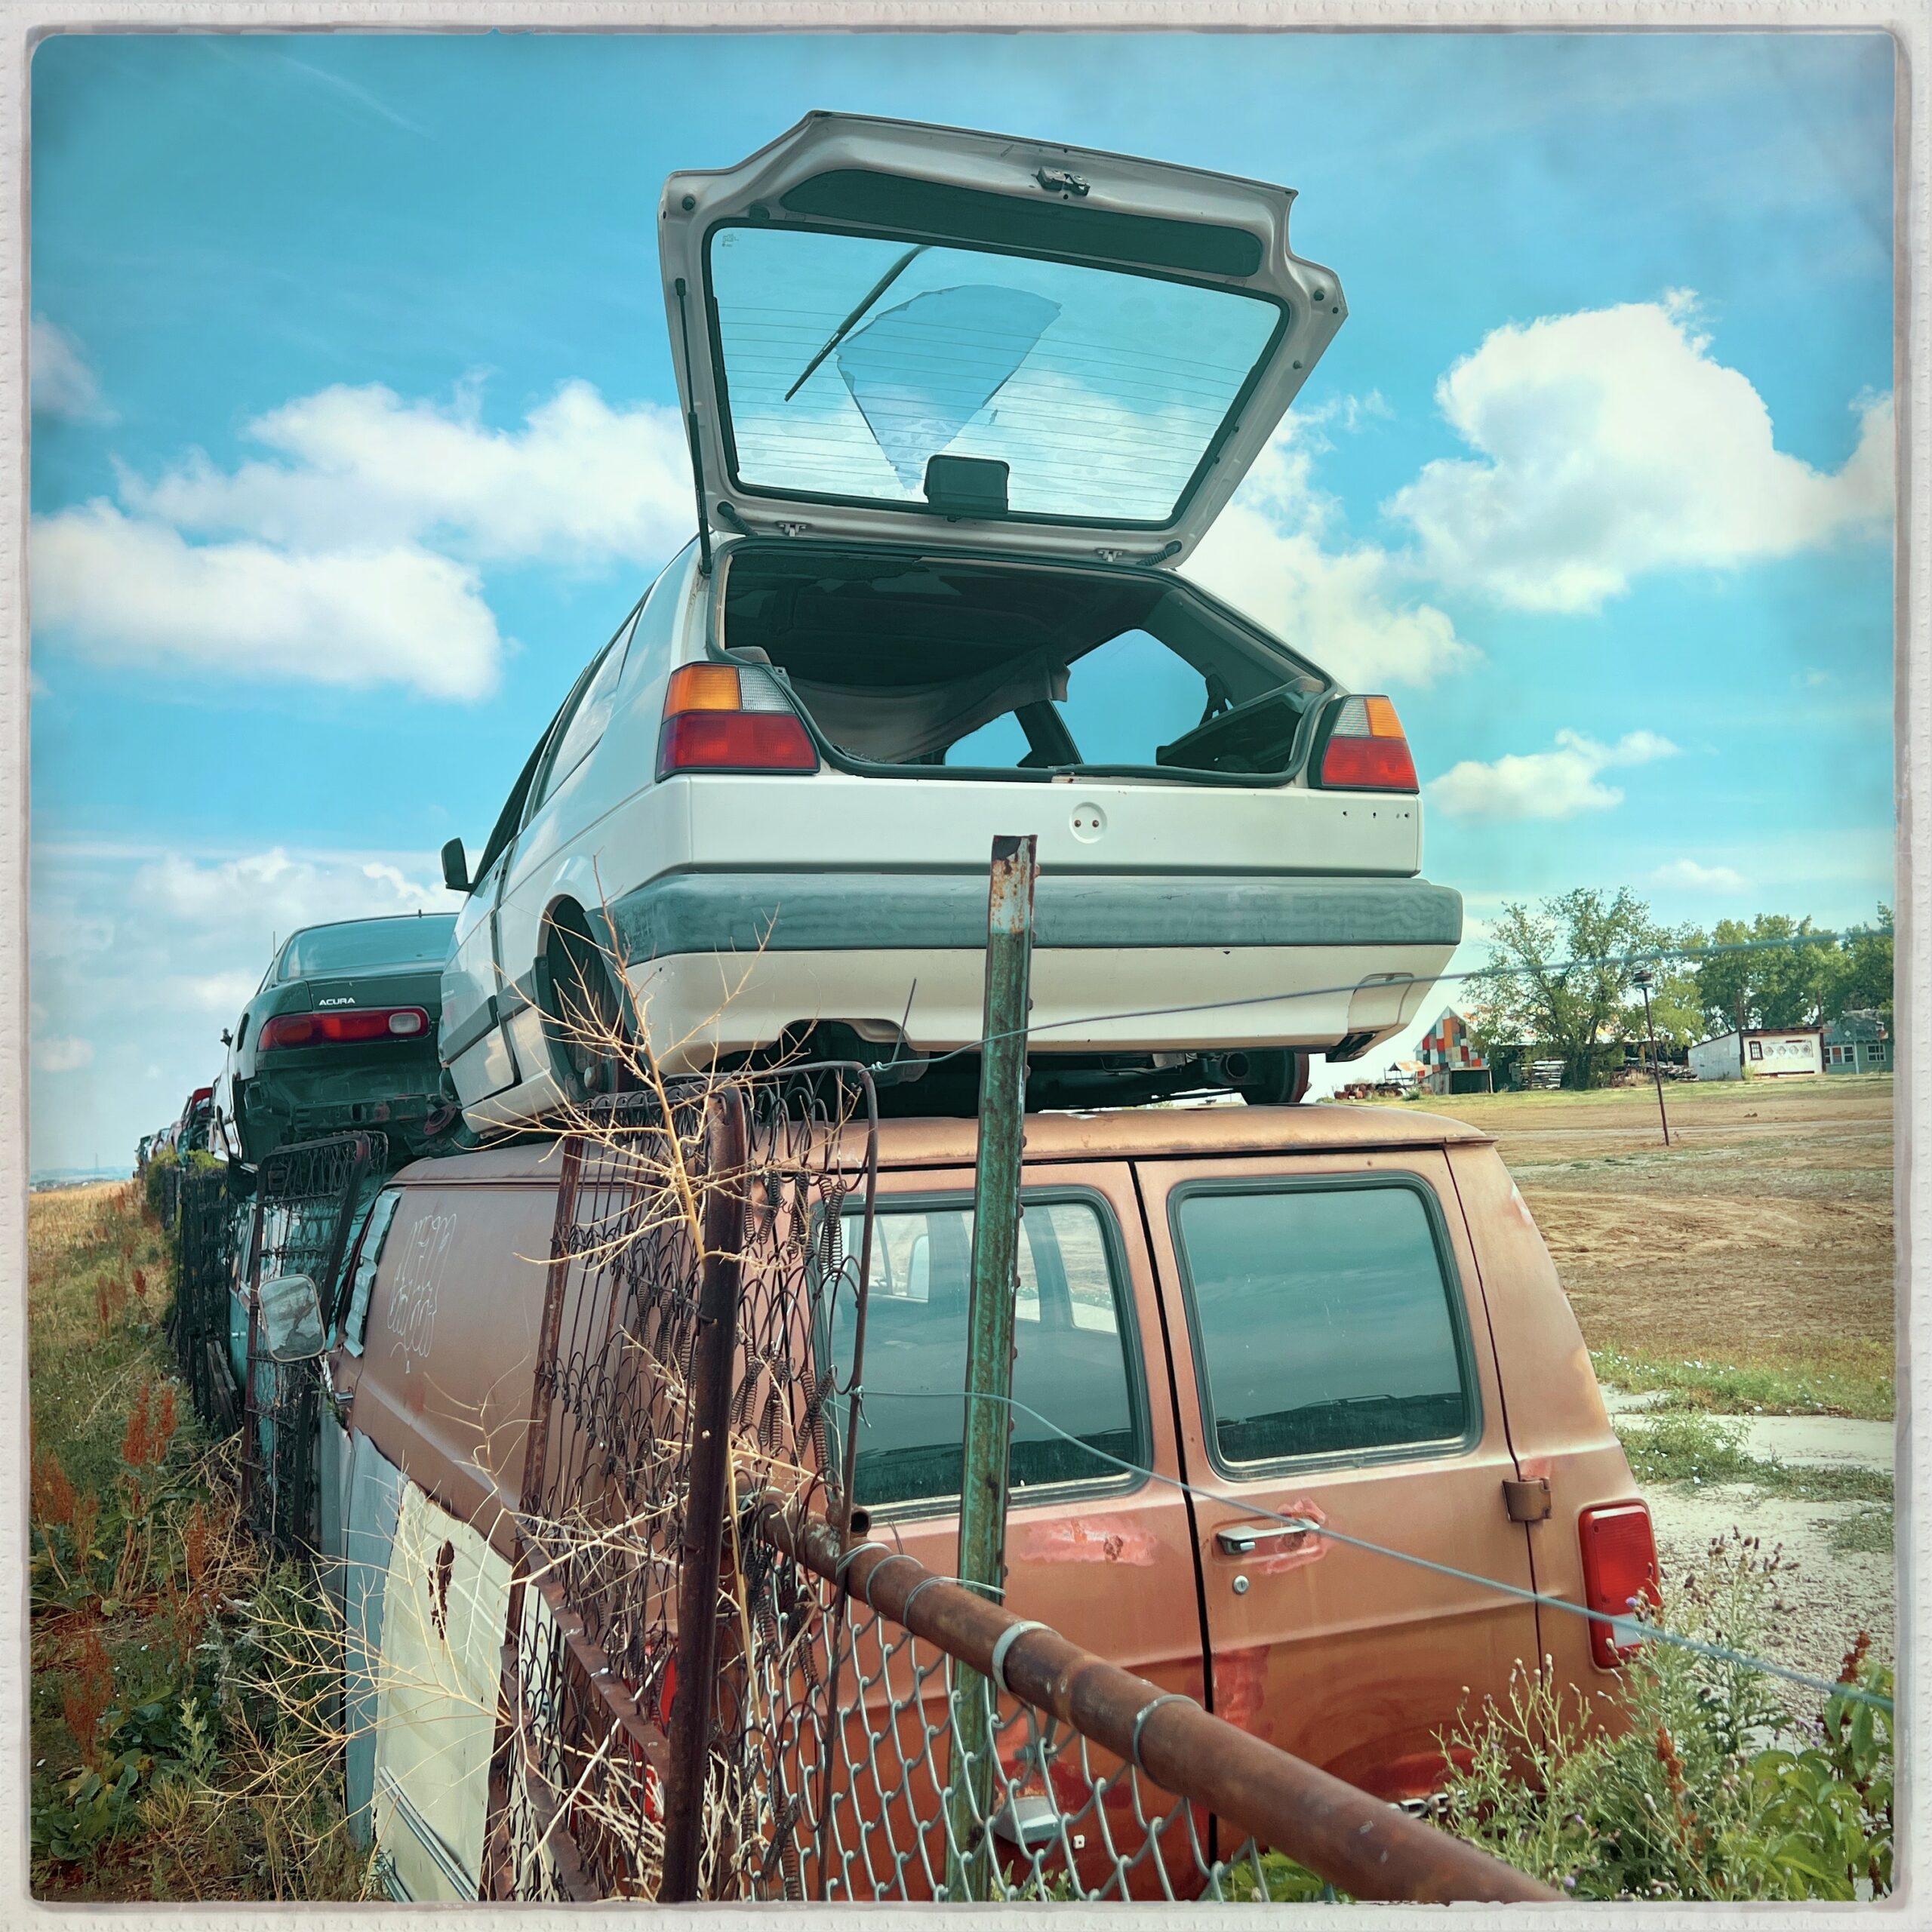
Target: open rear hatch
column 887, row 331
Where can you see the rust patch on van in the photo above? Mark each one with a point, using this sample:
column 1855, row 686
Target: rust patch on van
column 1291, row 1553
column 1075, row 1540
column 1241, row 1680
column 439, row 1590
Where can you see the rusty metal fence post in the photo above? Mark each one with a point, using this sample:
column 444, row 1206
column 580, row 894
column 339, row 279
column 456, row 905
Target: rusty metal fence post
column 714, row 1351
column 988, row 1427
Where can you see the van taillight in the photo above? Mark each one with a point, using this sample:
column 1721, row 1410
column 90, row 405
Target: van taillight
column 718, row 717
column 1366, row 749
column 1619, row 1571
column 355, row 1028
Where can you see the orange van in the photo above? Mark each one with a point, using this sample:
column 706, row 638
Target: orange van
column 1225, row 1316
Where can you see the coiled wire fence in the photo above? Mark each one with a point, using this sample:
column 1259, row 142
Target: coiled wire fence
column 204, row 1269
column 711, row 1690
column 307, row 1198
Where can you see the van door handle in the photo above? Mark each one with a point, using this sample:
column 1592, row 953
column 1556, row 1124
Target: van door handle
column 1240, row 1538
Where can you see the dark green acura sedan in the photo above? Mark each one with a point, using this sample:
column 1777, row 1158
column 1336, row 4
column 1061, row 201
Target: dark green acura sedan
column 340, row 1035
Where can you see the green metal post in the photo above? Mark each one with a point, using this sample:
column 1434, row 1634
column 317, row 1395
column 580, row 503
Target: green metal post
column 989, row 1339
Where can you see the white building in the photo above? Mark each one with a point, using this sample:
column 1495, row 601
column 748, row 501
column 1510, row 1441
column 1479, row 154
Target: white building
column 1764, row 1051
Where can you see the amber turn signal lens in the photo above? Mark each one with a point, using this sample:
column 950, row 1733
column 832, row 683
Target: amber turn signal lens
column 701, row 687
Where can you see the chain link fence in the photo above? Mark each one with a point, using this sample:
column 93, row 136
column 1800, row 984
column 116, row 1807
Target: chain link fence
column 710, row 1691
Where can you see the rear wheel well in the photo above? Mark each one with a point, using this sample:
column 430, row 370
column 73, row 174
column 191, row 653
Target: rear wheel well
column 587, row 1016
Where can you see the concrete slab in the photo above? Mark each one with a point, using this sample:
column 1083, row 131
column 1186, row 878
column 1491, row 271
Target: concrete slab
column 1801, row 1442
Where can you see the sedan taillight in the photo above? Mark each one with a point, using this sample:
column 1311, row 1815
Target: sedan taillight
column 1619, row 1571
column 1367, row 750
column 357, row 1027
column 718, row 717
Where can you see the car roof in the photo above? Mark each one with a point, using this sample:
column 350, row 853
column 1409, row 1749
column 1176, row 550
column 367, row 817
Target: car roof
column 1116, row 1134
column 367, row 919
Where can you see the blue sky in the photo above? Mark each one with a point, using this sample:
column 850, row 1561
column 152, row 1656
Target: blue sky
column 350, row 446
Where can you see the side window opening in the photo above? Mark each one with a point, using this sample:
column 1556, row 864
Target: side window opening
column 1074, row 1359
column 1326, row 1320
column 368, row 1255
column 589, row 713
column 905, row 665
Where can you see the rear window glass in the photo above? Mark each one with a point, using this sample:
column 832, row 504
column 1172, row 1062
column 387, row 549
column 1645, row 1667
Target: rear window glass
column 1072, row 1328
column 369, row 945
column 852, row 362
column 1323, row 1321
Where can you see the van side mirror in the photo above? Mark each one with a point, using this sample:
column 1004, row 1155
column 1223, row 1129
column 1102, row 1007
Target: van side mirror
column 292, row 1319
column 456, row 866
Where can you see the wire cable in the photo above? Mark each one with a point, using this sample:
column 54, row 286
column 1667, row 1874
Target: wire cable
column 1492, row 971
column 1627, row 1629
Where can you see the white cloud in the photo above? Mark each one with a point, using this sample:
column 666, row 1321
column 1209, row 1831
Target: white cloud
column 62, row 385
column 1609, row 443
column 579, row 482
column 61, row 1055
column 192, row 936
column 264, row 895
column 134, row 592
column 352, row 555
column 1275, row 552
column 1687, row 875
column 1554, row 784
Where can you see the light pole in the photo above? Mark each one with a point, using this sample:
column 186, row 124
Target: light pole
column 1642, row 978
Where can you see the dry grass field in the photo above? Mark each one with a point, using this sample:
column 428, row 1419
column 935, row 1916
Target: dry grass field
column 1761, row 1239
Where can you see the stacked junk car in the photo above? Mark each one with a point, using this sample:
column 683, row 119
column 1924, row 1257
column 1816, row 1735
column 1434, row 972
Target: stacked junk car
column 784, row 1401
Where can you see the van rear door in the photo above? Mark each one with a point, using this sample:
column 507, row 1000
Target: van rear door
column 1332, row 1361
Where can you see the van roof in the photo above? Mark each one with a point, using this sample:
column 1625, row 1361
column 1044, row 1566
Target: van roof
column 1157, row 1132
column 1120, row 1132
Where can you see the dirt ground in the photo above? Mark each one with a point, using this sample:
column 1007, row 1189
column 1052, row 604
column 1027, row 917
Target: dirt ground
column 1761, row 1236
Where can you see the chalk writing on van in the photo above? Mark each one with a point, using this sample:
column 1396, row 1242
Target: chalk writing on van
column 419, row 1281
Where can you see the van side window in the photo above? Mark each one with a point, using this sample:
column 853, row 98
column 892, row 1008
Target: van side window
column 367, row 1255
column 1322, row 1319
column 1074, row 1359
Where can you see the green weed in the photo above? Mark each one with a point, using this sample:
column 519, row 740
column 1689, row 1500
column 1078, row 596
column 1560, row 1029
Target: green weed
column 1686, row 1447
column 1665, row 1789
column 1870, row 1532
column 1726, row 1389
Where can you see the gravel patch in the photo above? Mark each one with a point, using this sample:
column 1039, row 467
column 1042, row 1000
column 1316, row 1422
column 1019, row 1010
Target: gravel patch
column 1828, row 1598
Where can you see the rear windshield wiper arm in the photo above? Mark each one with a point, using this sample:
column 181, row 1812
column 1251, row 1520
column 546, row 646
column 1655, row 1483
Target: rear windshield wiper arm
column 846, row 327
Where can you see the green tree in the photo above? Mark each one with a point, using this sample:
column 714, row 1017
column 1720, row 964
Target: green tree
column 1561, row 977
column 1865, row 969
column 1780, row 971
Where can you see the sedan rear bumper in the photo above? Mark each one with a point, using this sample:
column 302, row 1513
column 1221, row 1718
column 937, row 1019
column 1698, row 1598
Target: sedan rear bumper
column 727, row 963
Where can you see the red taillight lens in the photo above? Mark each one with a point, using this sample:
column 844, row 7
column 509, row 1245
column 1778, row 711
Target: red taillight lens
column 357, row 1027
column 1619, row 1571
column 734, row 741
column 724, row 718
column 1366, row 751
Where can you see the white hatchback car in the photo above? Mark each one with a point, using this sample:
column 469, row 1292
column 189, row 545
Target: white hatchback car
column 957, row 404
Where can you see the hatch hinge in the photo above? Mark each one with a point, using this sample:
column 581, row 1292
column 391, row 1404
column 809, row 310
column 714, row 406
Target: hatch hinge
column 690, row 434
column 1527, row 1501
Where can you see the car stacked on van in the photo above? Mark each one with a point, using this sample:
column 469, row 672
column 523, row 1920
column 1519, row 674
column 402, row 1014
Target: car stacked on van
column 958, row 405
